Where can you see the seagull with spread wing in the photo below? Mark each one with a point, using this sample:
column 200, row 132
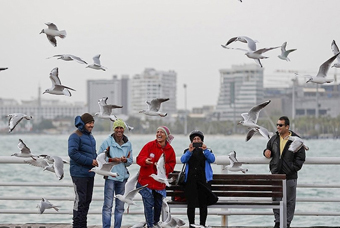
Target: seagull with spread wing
column 15, row 118
column 68, row 57
column 105, row 110
column 96, row 64
column 284, row 53
column 45, row 204
column 51, row 32
column 104, row 167
column 235, row 165
column 250, row 121
column 57, row 88
column 25, row 152
column 154, row 107
column 161, row 174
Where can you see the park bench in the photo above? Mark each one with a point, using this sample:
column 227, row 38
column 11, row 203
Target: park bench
column 241, row 191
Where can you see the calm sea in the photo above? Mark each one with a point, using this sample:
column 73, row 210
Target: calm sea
column 221, row 145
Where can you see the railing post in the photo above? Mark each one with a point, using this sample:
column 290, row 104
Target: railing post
column 224, row 217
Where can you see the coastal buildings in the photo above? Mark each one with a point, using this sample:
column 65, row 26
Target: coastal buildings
column 241, row 87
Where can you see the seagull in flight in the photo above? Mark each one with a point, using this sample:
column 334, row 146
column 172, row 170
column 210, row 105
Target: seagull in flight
column 45, row 204
column 57, row 164
column 25, row 152
column 320, row 78
column 104, row 167
column 169, row 221
column 235, row 165
column 161, row 174
column 296, row 144
column 105, row 110
column 154, row 106
column 57, row 88
column 250, row 121
column 40, row 162
column 335, row 51
column 251, row 52
column 68, row 57
column 51, row 32
column 15, row 118
column 284, row 52
column 96, row 64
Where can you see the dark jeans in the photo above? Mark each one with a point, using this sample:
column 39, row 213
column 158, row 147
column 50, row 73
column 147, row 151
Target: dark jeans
column 83, row 189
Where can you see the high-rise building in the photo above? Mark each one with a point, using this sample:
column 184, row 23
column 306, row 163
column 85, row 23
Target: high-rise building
column 152, row 84
column 117, row 91
column 241, row 88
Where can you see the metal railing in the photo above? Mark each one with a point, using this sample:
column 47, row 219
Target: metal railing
column 220, row 161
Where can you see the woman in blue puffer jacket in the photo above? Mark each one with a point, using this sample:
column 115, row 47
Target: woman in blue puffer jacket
column 82, row 153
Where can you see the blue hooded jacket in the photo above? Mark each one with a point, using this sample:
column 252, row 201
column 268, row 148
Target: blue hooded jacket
column 81, row 150
column 210, row 158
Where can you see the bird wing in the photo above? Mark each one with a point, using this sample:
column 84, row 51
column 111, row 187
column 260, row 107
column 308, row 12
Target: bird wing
column 250, row 134
column 232, row 158
column 264, row 132
column 251, row 43
column 14, row 120
column 52, row 40
column 166, row 216
column 96, row 60
column 161, row 167
column 62, row 87
column 323, row 70
column 131, row 183
column 23, row 148
column 334, row 48
column 131, row 194
column 39, row 162
column 254, row 111
column 107, row 109
column 283, row 47
column 52, row 26
column 78, row 59
column 155, row 104
column 263, row 50
column 101, row 159
column 54, row 76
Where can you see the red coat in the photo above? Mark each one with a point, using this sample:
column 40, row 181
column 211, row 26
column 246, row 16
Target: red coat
column 153, row 149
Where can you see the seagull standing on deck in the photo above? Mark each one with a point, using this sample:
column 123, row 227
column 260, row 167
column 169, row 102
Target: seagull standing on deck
column 154, row 106
column 15, row 118
column 57, row 88
column 250, row 121
column 51, row 32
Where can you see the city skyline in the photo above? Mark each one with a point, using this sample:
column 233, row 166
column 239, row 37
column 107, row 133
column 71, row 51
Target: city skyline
column 183, row 36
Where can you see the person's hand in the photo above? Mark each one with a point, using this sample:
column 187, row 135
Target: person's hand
column 117, row 160
column 94, row 162
column 123, row 159
column 204, row 146
column 267, row 153
column 148, row 161
column 191, row 147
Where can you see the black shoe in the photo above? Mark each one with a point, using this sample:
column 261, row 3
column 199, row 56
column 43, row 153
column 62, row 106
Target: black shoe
column 277, row 225
column 288, row 225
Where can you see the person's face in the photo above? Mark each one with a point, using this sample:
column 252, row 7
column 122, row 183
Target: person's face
column 281, row 127
column 119, row 131
column 160, row 136
column 196, row 139
column 89, row 126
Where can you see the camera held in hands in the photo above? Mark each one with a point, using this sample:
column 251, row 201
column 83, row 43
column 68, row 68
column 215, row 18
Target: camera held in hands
column 197, row 144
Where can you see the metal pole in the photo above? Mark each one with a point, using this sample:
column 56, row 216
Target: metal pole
column 185, row 110
column 317, row 102
column 293, row 103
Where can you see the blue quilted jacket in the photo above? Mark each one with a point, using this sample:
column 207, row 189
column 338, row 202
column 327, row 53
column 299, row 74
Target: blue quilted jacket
column 81, row 150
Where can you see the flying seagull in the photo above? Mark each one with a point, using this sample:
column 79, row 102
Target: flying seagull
column 320, row 78
column 96, row 64
column 251, row 52
column 168, row 220
column 45, row 204
column 51, row 32
column 161, row 174
column 57, row 164
column 154, row 106
column 296, row 144
column 105, row 110
column 68, row 57
column 57, row 88
column 104, row 167
column 15, row 118
column 250, row 121
column 335, row 51
column 284, row 53
column 40, row 162
column 235, row 165
column 25, row 152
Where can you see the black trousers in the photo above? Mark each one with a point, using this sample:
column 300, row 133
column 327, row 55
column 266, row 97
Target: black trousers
column 83, row 189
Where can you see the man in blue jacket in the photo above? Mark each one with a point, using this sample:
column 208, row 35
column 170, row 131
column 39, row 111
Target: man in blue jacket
column 82, row 153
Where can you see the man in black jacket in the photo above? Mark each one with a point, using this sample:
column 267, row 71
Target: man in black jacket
column 284, row 161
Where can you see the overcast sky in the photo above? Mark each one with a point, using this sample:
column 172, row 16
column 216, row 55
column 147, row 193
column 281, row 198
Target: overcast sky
column 180, row 35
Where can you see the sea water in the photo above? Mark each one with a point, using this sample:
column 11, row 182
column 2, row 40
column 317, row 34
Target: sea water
column 221, row 145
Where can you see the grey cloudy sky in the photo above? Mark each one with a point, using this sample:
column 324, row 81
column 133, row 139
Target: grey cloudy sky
column 184, row 36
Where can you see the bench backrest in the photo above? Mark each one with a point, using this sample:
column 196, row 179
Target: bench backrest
column 239, row 185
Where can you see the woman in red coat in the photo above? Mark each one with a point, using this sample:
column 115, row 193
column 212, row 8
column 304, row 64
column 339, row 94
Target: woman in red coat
column 153, row 194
